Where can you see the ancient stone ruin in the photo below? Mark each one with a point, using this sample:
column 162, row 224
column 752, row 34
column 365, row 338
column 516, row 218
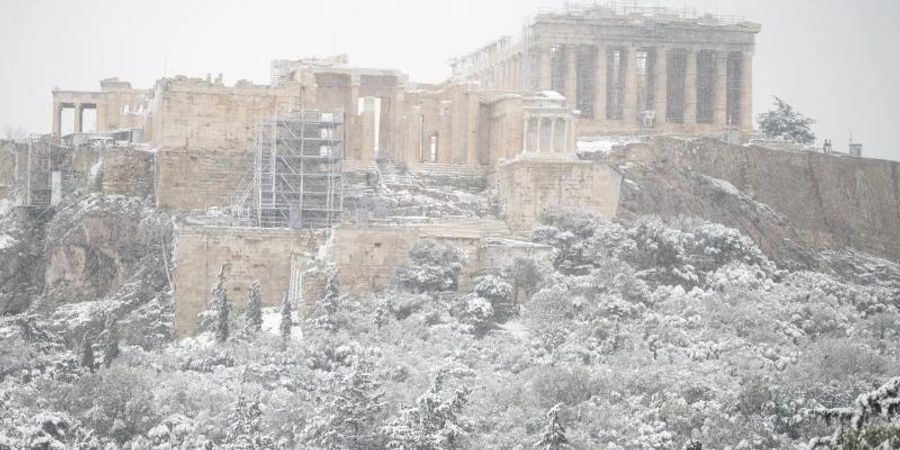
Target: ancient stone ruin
column 333, row 165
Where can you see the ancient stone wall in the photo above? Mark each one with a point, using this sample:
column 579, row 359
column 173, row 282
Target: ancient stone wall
column 367, row 258
column 201, row 115
column 199, row 179
column 248, row 254
column 529, row 186
column 112, row 170
column 7, row 168
column 831, row 201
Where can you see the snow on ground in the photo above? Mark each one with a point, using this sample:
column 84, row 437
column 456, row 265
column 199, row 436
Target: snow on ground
column 515, row 328
column 604, row 144
column 271, row 318
column 723, row 186
column 6, row 241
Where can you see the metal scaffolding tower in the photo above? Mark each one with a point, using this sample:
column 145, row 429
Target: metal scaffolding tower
column 297, row 173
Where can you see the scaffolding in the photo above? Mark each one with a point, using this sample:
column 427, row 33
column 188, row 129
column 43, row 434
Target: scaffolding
column 297, row 177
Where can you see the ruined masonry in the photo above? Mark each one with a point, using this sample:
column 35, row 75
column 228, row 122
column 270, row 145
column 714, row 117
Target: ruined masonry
column 331, row 165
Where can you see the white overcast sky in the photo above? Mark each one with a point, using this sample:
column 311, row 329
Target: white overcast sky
column 838, row 61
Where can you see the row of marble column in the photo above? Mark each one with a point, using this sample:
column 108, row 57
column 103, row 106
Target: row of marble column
column 518, row 72
column 662, row 54
column 79, row 108
column 546, row 133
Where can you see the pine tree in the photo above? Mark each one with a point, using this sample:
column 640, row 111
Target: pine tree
column 349, row 415
column 433, row 423
column 554, row 436
column 247, row 429
column 786, row 123
column 325, row 310
column 254, row 309
column 87, row 352
column 286, row 321
column 111, row 350
column 221, row 308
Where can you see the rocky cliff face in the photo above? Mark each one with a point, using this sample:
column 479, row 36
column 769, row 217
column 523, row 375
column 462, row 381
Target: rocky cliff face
column 88, row 261
column 793, row 203
column 21, row 274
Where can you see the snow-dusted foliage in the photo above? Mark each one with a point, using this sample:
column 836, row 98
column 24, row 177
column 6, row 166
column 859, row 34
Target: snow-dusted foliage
column 253, row 315
column 433, row 423
column 433, row 267
column 554, row 435
column 287, row 321
column 652, row 334
column 785, row 123
column 221, row 309
column 873, row 421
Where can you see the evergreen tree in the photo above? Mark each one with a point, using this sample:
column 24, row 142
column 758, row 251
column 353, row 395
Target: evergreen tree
column 87, row 352
column 111, row 350
column 349, row 415
column 433, row 423
column 253, row 315
column 554, row 435
column 325, row 310
column 247, row 430
column 524, row 275
column 433, row 267
column 286, row 320
column 785, row 123
column 221, row 308
column 873, row 421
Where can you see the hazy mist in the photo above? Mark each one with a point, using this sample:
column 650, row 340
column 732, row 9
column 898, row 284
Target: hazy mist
column 834, row 60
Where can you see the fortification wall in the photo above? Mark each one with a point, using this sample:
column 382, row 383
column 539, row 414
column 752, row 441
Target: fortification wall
column 7, row 168
column 112, row 170
column 832, row 201
column 248, row 254
column 197, row 179
column 367, row 258
column 529, row 186
column 195, row 114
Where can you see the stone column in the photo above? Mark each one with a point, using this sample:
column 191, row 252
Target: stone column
column 747, row 91
column 690, row 89
column 57, row 120
column 630, row 113
column 571, row 75
column 78, row 113
column 721, row 96
column 545, row 69
column 600, row 94
column 661, row 92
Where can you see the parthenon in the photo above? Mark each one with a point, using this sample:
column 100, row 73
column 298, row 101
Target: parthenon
column 629, row 69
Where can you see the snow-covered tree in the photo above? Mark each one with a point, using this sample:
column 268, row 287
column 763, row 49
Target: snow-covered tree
column 433, row 423
column 246, row 428
column 524, row 275
column 873, row 421
column 350, row 413
column 785, row 123
column 433, row 267
column 325, row 311
column 253, row 316
column 87, row 352
column 287, row 321
column 221, row 307
column 498, row 292
column 554, row 435
column 478, row 315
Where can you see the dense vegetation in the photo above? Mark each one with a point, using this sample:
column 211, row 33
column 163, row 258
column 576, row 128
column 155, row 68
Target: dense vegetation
column 640, row 336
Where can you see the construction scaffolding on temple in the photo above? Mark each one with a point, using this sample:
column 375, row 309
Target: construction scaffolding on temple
column 296, row 180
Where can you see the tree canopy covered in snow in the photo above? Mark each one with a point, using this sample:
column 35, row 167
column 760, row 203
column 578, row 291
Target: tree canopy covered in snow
column 646, row 334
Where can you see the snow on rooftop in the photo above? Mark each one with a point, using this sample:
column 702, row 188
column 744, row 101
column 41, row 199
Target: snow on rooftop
column 604, row 144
